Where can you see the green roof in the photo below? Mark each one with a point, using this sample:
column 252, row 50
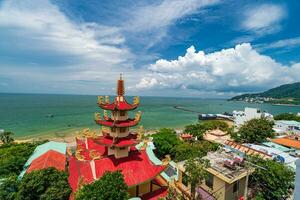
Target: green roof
column 290, row 122
column 276, row 146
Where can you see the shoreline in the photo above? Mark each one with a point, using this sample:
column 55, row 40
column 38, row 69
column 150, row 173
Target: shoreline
column 69, row 136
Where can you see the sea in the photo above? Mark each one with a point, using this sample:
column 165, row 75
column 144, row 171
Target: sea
column 30, row 115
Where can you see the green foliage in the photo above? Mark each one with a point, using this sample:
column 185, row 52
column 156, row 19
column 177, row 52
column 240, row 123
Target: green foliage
column 283, row 91
column 13, row 157
column 287, row 116
column 110, row 186
column 46, row 184
column 255, row 131
column 7, row 137
column 200, row 128
column 165, row 140
column 184, row 151
column 195, row 170
column 9, row 188
column 274, row 183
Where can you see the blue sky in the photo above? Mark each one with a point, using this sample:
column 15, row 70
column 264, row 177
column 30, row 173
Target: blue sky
column 205, row 48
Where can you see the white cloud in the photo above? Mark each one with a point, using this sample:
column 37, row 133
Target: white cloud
column 48, row 44
column 239, row 69
column 264, row 19
column 280, row 44
column 154, row 20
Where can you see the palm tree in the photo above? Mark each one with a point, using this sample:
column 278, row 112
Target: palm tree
column 6, row 137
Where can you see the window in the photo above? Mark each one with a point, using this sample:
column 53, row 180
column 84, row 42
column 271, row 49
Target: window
column 236, row 186
column 122, row 130
column 113, row 129
column 122, row 148
column 210, row 181
column 122, row 113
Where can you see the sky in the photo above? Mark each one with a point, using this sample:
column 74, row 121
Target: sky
column 193, row 48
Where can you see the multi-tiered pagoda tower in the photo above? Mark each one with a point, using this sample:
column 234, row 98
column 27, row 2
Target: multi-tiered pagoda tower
column 117, row 148
column 116, row 135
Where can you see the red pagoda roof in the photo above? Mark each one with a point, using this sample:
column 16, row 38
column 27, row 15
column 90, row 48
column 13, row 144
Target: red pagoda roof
column 49, row 159
column 118, row 105
column 111, row 123
column 136, row 169
column 119, row 142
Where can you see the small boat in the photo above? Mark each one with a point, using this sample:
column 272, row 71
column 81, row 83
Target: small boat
column 50, row 115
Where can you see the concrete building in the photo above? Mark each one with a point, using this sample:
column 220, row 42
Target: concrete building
column 227, row 177
column 286, row 126
column 240, row 117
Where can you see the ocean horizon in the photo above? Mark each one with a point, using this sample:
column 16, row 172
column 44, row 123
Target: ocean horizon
column 29, row 115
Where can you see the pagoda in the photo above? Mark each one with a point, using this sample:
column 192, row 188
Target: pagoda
column 117, row 148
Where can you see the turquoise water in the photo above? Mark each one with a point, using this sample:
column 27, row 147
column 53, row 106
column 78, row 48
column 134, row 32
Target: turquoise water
column 26, row 114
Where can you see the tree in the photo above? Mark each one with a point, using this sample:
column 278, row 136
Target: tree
column 255, row 131
column 13, row 157
column 195, row 170
column 165, row 140
column 184, row 151
column 110, row 186
column 6, row 137
column 200, row 128
column 45, row 184
column 273, row 183
column 9, row 188
column 287, row 116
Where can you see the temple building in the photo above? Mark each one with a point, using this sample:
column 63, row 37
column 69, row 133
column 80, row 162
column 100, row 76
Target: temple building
column 117, row 148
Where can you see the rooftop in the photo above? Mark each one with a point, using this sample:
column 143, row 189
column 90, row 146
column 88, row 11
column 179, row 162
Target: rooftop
column 49, row 159
column 289, row 122
column 221, row 170
column 289, row 141
column 136, row 168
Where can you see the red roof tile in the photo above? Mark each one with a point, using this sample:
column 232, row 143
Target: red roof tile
column 136, row 168
column 49, row 159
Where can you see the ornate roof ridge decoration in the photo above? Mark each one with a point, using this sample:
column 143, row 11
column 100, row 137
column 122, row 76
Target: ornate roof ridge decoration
column 107, row 121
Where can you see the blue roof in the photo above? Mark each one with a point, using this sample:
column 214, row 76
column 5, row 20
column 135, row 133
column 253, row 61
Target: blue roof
column 277, row 146
column 289, row 122
column 41, row 149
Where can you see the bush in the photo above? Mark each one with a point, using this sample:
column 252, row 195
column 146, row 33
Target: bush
column 110, row 186
column 46, row 184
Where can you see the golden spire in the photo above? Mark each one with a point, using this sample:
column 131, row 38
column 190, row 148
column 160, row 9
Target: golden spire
column 120, row 87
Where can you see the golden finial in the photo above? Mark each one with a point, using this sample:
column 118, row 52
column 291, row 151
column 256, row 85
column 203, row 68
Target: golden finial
column 140, row 133
column 94, row 155
column 97, row 116
column 100, row 99
column 107, row 99
column 136, row 100
column 69, row 152
column 138, row 116
column 166, row 160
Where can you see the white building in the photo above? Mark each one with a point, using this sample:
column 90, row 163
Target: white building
column 240, row 117
column 287, row 126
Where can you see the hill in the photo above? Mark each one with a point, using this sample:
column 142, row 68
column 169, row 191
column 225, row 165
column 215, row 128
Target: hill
column 284, row 94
